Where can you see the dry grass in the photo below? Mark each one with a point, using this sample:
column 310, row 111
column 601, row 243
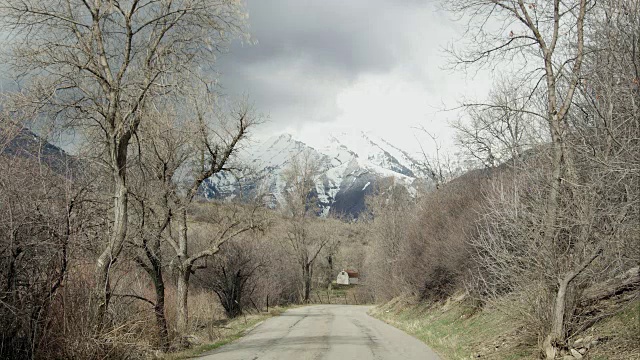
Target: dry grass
column 222, row 332
column 455, row 330
column 619, row 335
column 342, row 294
column 204, row 310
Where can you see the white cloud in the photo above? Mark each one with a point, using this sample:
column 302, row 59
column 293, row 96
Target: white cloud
column 393, row 106
column 374, row 65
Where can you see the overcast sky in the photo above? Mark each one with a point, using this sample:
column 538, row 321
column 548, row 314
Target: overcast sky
column 373, row 65
column 323, row 66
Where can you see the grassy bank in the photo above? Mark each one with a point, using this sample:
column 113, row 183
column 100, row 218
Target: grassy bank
column 456, row 331
column 619, row 336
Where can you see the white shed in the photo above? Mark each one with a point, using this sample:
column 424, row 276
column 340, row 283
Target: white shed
column 343, row 278
column 347, row 277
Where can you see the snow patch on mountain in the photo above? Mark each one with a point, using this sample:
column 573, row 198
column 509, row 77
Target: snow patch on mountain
column 350, row 164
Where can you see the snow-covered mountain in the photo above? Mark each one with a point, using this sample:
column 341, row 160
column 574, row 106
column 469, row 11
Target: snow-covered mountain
column 350, row 165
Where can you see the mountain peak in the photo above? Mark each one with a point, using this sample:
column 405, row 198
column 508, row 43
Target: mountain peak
column 350, row 163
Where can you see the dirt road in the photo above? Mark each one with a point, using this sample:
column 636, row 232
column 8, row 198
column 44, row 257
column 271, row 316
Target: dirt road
column 324, row 332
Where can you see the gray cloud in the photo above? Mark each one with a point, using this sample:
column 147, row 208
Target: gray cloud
column 310, row 53
column 309, row 50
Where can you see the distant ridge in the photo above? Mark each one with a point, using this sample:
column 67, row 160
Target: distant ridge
column 26, row 144
column 350, row 166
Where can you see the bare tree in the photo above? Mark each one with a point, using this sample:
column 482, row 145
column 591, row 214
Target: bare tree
column 438, row 168
column 579, row 179
column 219, row 138
column 40, row 219
column 500, row 130
column 173, row 163
column 300, row 207
column 553, row 32
column 389, row 264
column 515, row 259
column 98, row 65
column 162, row 148
column 170, row 165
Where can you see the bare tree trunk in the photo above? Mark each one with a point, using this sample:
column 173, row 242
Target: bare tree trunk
column 306, row 282
column 555, row 181
column 184, row 270
column 155, row 257
column 118, row 234
column 556, row 333
column 155, row 273
column 182, row 305
column 161, row 320
column 153, row 253
column 561, row 165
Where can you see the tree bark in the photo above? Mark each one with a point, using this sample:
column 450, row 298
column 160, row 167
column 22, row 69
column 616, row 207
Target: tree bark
column 184, row 272
column 182, row 301
column 118, row 234
column 155, row 257
column 158, row 309
column 556, row 334
column 161, row 319
column 306, row 282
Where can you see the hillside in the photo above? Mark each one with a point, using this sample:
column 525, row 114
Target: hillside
column 26, row 144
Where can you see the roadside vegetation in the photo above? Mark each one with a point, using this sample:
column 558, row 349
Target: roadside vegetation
column 546, row 237
column 456, row 329
column 222, row 332
column 115, row 253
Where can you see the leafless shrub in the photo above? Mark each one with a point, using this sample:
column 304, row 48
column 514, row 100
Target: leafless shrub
column 75, row 322
column 515, row 261
column 444, row 225
column 420, row 247
column 392, row 213
column 557, row 220
column 232, row 275
column 37, row 223
column 280, row 282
